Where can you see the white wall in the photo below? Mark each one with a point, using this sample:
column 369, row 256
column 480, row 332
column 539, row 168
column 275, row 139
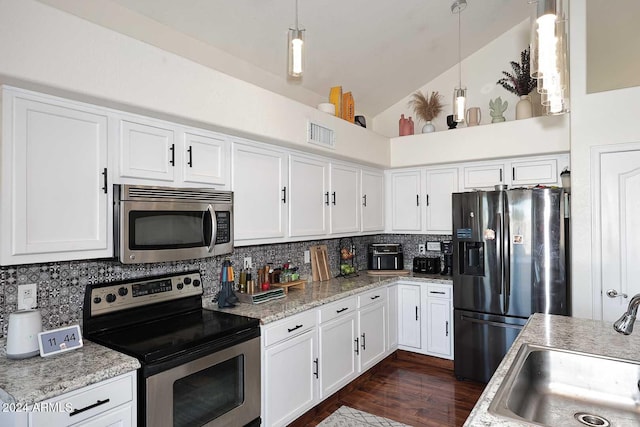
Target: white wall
column 597, row 119
column 480, row 72
column 46, row 49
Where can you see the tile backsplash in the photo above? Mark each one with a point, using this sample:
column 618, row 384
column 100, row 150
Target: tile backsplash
column 61, row 285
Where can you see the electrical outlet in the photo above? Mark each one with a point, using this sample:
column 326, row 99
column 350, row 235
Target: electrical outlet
column 247, row 263
column 421, row 249
column 307, row 257
column 27, row 296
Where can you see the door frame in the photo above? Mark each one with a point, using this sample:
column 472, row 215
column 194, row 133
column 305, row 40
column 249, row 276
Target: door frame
column 596, row 219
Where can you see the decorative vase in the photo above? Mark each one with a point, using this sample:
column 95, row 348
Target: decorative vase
column 524, row 108
column 428, row 127
column 403, row 125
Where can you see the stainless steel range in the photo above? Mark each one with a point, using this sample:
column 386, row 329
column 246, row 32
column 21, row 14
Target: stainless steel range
column 199, row 367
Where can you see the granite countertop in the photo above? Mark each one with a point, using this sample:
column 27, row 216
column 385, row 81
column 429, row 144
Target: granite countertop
column 27, row 381
column 318, row 293
column 569, row 333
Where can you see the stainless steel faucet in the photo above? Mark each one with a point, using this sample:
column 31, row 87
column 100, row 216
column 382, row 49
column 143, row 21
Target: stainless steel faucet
column 624, row 325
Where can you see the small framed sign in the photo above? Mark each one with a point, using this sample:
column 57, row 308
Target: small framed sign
column 59, row 340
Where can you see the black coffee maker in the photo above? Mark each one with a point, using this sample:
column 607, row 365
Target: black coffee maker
column 447, row 249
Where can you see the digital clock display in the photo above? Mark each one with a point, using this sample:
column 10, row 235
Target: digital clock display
column 141, row 289
column 59, row 340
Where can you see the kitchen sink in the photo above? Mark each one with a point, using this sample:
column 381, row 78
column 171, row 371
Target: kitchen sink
column 553, row 387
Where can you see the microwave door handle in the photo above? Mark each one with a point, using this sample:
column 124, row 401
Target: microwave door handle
column 214, row 226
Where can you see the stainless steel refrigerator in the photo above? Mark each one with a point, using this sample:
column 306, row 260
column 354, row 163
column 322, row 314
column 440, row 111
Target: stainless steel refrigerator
column 508, row 262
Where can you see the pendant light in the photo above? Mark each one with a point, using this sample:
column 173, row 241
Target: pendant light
column 460, row 92
column 296, row 50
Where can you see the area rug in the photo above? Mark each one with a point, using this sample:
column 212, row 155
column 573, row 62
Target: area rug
column 349, row 417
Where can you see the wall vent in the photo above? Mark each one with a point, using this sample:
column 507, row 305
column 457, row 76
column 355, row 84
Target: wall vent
column 320, row 135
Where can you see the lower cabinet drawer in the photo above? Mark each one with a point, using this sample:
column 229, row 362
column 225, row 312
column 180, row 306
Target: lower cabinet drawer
column 336, row 309
column 372, row 297
column 79, row 405
column 289, row 327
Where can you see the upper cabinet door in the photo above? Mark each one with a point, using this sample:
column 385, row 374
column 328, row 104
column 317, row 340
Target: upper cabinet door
column 406, row 200
column 484, row 176
column 372, row 200
column 205, row 158
column 55, row 190
column 147, row 150
column 260, row 193
column 345, row 199
column 309, row 196
column 441, row 183
column 532, row 172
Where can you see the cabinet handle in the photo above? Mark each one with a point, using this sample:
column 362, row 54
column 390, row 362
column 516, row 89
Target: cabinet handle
column 317, row 368
column 294, row 328
column 500, row 174
column 446, row 328
column 284, row 194
column 417, row 200
column 342, row 309
column 513, row 174
column 364, row 344
column 357, row 350
column 437, row 292
column 375, row 297
column 172, row 162
column 190, row 162
column 326, row 198
column 416, row 313
column 86, row 408
column 333, row 195
column 364, row 200
column 427, row 200
column 104, row 180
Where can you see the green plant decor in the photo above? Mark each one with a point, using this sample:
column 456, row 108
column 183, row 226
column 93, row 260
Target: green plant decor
column 496, row 108
column 520, row 82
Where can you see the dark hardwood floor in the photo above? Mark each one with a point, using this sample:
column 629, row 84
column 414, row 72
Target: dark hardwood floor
column 406, row 387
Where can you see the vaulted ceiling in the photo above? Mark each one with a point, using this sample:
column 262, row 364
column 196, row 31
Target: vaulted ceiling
column 380, row 50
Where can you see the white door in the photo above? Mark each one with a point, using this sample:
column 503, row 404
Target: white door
column 372, row 201
column 483, row 176
column 619, row 230
column 147, row 150
column 260, row 193
column 290, row 380
column 533, row 172
column 409, row 314
column 372, row 341
column 439, row 326
column 441, row 183
column 310, row 198
column 406, row 200
column 337, row 340
column 55, row 186
column 345, row 199
column 205, row 159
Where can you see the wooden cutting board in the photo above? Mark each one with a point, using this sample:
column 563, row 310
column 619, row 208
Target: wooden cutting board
column 319, row 263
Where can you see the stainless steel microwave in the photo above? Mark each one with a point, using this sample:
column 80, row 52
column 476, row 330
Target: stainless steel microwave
column 157, row 224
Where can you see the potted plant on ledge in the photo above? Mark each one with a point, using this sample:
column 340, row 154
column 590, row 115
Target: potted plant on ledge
column 520, row 83
column 426, row 108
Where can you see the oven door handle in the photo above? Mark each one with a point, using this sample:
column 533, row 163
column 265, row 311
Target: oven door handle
column 214, row 225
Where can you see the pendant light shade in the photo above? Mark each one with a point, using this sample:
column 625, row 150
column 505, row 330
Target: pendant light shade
column 460, row 92
column 295, row 50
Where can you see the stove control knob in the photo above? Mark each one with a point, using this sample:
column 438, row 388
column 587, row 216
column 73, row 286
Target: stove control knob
column 111, row 297
column 123, row 291
column 187, row 280
column 196, row 283
column 180, row 285
column 97, row 300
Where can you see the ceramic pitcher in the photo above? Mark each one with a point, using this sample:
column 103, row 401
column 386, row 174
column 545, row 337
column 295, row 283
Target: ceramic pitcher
column 473, row 116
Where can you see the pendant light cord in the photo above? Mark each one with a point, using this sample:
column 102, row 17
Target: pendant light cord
column 459, row 51
column 297, row 15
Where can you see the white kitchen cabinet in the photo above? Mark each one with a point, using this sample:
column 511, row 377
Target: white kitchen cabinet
column 260, row 193
column 405, row 201
column 409, row 317
column 372, row 323
column 372, row 187
column 55, row 187
column 156, row 152
column 309, row 196
column 290, row 368
column 533, row 172
column 345, row 198
column 107, row 403
column 440, row 184
column 483, row 176
column 337, row 335
column 392, row 318
column 439, row 320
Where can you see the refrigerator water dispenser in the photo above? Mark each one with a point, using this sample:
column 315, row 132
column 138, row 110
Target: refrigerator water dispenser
column 472, row 259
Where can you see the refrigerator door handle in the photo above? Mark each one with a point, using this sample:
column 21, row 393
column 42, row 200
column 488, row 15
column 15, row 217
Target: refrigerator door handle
column 490, row 323
column 500, row 252
column 506, row 241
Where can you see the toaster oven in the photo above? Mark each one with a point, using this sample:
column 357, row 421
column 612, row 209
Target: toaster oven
column 385, row 256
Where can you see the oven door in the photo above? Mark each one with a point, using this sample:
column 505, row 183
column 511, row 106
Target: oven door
column 220, row 389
